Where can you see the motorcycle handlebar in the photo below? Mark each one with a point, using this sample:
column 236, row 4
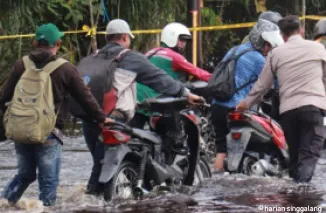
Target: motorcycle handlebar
column 203, row 103
column 167, row 100
column 119, row 124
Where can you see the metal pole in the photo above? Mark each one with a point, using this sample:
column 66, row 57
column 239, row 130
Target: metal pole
column 200, row 4
column 304, row 16
column 194, row 11
column 194, row 37
column 190, row 21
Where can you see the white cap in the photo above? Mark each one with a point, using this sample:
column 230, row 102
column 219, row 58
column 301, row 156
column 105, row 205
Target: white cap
column 118, row 26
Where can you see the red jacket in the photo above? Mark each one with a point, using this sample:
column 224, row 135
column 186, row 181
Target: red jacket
column 180, row 63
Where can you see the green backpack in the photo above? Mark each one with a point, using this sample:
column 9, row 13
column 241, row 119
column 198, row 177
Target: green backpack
column 30, row 117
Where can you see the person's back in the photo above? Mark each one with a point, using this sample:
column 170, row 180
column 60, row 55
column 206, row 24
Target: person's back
column 65, row 81
column 300, row 69
column 174, row 64
column 264, row 36
column 299, row 72
column 131, row 68
column 248, row 67
column 162, row 58
column 168, row 58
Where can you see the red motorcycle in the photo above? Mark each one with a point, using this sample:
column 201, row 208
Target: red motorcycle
column 256, row 145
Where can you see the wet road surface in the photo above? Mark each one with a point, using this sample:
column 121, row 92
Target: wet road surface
column 222, row 193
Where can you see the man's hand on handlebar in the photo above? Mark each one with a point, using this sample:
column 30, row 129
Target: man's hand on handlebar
column 195, row 99
column 107, row 121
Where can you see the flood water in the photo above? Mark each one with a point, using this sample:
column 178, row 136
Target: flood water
column 221, row 193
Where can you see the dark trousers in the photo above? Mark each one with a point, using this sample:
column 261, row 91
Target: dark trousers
column 304, row 133
column 139, row 121
column 92, row 132
column 46, row 158
column 96, row 147
column 220, row 123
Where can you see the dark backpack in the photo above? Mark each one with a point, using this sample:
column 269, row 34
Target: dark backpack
column 222, row 86
column 97, row 71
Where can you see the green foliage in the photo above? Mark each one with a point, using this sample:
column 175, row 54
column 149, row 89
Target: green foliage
column 23, row 16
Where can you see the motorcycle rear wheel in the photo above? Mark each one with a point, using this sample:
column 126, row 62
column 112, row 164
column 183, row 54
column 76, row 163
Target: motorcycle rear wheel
column 127, row 172
column 205, row 171
column 205, row 168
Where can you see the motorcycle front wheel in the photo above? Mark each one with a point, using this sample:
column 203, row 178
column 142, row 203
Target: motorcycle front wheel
column 202, row 172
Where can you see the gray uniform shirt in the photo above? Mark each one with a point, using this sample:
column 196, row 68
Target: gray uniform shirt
column 301, row 70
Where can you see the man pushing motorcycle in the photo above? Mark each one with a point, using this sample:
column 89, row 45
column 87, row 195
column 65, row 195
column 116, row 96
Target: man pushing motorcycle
column 132, row 67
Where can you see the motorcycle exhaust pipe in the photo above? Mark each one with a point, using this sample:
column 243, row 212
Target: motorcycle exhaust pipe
column 262, row 167
column 139, row 192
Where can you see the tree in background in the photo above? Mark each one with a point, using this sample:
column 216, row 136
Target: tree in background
column 23, row 16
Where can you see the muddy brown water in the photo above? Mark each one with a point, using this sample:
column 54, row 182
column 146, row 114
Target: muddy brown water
column 221, row 193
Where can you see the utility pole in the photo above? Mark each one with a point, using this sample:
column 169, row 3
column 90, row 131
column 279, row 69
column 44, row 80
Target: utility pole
column 304, row 15
column 192, row 22
column 200, row 5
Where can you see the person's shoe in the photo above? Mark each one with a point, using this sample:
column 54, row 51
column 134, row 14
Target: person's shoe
column 96, row 190
column 49, row 203
column 91, row 190
column 100, row 189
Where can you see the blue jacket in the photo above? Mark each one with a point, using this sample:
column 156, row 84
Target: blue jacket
column 248, row 67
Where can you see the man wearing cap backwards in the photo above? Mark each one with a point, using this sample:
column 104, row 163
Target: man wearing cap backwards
column 46, row 157
column 301, row 72
column 133, row 67
column 319, row 33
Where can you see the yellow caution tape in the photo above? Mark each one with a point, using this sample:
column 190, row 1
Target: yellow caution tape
column 93, row 31
column 224, row 27
column 90, row 31
column 315, row 18
column 73, row 32
column 16, row 36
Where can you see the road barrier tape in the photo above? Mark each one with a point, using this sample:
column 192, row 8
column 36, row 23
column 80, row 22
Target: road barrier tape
column 93, row 30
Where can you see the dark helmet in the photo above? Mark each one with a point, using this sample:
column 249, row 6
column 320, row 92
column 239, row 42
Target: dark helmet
column 271, row 16
column 319, row 29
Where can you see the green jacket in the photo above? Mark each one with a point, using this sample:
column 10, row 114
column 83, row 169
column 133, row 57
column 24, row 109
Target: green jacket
column 164, row 62
column 174, row 64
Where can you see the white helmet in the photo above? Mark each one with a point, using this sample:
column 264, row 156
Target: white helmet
column 265, row 31
column 172, row 32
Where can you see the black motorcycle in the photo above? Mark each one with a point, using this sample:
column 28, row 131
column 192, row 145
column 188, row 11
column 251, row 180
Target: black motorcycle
column 138, row 161
column 207, row 129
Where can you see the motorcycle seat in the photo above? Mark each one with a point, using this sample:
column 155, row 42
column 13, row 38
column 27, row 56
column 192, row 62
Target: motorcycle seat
column 147, row 135
column 199, row 84
column 165, row 100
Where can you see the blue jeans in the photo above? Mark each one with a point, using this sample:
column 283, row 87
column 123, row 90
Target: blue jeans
column 44, row 157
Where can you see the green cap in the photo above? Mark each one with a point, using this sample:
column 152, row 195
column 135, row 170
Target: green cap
column 48, row 32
